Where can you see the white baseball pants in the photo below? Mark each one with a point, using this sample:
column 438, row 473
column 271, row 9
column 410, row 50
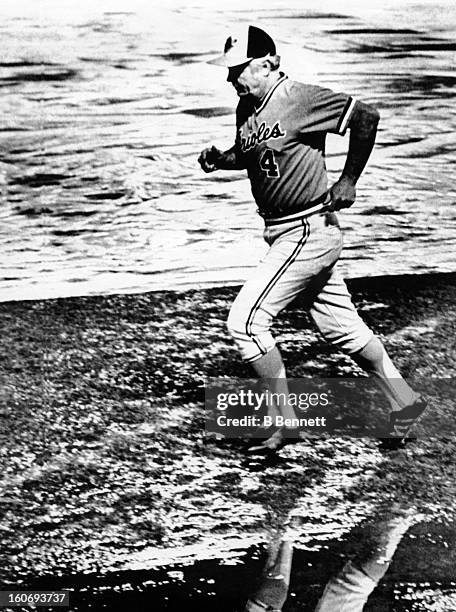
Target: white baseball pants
column 301, row 260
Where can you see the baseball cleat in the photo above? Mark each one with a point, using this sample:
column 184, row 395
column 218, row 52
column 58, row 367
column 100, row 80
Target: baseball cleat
column 280, row 438
column 400, row 424
column 268, row 444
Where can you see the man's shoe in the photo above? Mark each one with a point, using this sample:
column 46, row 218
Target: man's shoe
column 400, row 423
column 269, row 443
column 282, row 436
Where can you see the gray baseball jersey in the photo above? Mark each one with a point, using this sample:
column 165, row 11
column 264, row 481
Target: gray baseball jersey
column 282, row 144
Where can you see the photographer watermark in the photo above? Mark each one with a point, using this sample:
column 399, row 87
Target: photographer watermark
column 256, row 400
column 245, row 408
column 256, row 404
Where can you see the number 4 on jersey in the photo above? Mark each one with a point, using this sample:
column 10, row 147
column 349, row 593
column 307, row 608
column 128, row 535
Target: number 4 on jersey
column 269, row 165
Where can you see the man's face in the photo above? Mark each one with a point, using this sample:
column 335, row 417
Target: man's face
column 248, row 79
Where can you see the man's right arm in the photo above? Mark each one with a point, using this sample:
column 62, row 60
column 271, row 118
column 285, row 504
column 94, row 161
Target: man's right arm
column 212, row 159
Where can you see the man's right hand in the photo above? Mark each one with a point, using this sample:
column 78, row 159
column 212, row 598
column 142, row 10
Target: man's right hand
column 209, row 157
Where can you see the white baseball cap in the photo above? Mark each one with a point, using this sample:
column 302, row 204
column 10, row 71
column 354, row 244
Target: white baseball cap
column 241, row 48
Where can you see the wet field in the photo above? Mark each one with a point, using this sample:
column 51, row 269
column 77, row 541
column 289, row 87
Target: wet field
column 105, row 109
column 415, row 582
column 109, row 486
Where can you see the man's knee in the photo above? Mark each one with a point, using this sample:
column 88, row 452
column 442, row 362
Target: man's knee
column 341, row 325
column 350, row 335
column 350, row 341
column 250, row 329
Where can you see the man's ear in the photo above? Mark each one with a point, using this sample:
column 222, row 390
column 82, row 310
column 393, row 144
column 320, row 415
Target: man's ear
column 266, row 67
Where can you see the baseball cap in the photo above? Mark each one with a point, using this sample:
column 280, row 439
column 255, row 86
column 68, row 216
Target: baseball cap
column 241, row 48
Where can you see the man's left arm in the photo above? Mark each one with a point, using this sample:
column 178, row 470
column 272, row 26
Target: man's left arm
column 363, row 129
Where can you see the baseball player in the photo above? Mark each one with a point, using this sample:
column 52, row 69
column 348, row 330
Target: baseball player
column 281, row 126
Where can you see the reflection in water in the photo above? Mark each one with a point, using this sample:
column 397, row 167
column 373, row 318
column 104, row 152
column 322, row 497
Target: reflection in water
column 273, row 590
column 351, row 587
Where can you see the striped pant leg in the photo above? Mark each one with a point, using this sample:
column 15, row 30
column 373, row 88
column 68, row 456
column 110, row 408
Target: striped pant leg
column 297, row 256
column 269, row 289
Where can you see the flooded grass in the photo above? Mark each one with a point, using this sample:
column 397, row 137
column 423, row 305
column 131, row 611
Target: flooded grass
column 108, row 485
column 108, row 480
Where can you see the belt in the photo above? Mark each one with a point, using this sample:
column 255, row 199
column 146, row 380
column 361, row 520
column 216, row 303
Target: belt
column 311, row 208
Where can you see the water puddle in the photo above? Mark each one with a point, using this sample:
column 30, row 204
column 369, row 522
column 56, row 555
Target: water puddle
column 128, row 99
column 389, row 561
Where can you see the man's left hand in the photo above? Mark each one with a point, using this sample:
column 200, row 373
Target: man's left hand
column 343, row 194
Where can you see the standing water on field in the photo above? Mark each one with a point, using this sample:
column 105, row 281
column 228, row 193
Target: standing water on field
column 105, row 107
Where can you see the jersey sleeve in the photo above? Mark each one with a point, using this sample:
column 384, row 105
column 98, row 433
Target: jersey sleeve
column 322, row 110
